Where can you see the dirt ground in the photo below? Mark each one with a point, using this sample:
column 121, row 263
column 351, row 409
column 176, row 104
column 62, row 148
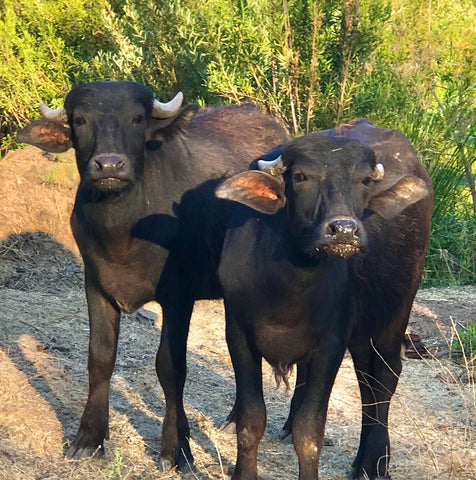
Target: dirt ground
column 43, row 377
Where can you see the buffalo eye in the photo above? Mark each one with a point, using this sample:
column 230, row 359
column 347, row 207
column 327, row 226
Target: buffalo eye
column 78, row 120
column 366, row 181
column 137, row 120
column 299, row 177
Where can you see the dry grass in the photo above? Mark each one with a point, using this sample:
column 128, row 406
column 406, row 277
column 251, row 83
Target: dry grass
column 44, row 357
column 34, row 261
column 29, row 198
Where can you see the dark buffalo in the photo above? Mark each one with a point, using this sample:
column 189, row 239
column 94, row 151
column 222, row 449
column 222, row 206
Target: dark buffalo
column 330, row 257
column 148, row 224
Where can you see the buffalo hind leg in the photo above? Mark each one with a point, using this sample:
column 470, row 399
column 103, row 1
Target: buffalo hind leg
column 377, row 371
column 171, row 368
column 298, row 395
column 103, row 335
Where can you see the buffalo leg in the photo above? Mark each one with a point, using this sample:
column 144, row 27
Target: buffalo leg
column 229, row 426
column 249, row 405
column 104, row 331
column 171, row 368
column 298, row 395
column 310, row 418
column 377, row 370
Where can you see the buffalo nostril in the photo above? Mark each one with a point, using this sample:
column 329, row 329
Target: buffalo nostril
column 343, row 227
column 341, row 237
column 109, row 163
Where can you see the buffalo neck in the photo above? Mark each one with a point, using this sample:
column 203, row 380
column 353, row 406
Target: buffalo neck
column 146, row 209
column 110, row 213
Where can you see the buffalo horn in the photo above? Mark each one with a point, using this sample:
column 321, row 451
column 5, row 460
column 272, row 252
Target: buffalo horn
column 169, row 109
column 273, row 167
column 54, row 114
column 378, row 172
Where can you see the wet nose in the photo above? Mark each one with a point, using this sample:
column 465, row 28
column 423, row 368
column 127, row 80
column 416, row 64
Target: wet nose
column 342, row 230
column 109, row 163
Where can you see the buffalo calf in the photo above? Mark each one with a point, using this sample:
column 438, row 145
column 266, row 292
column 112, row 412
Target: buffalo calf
column 147, row 224
column 326, row 253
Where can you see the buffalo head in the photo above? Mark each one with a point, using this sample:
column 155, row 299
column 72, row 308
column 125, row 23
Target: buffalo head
column 326, row 186
column 110, row 125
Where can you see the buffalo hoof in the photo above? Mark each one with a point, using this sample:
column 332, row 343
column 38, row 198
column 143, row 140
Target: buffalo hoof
column 354, row 475
column 181, row 462
column 166, row 465
column 76, row 453
column 225, row 472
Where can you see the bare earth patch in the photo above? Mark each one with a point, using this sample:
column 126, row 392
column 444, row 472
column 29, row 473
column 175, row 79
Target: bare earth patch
column 43, row 373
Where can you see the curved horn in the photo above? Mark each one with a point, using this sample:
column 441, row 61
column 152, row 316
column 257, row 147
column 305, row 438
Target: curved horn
column 378, row 172
column 169, row 109
column 273, row 167
column 55, row 114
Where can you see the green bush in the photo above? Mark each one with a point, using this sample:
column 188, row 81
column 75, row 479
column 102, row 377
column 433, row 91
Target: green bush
column 44, row 46
column 451, row 256
column 466, row 342
column 156, row 43
column 302, row 60
column 404, row 64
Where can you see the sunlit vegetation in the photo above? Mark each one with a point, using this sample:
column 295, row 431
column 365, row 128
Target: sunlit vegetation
column 404, row 64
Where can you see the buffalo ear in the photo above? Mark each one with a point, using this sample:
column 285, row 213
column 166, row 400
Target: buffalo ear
column 46, row 134
column 406, row 191
column 167, row 128
column 255, row 189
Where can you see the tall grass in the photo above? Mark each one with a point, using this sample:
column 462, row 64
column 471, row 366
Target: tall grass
column 451, row 254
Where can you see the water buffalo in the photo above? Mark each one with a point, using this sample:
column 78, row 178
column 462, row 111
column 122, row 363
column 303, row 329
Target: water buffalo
column 328, row 257
column 147, row 224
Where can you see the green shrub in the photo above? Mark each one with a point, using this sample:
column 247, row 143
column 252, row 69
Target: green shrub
column 302, row 60
column 404, row 64
column 466, row 343
column 44, row 47
column 451, row 256
column 156, row 43
column 27, row 73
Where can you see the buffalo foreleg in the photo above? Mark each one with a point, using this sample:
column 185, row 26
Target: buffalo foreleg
column 249, row 405
column 104, row 331
column 310, row 418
